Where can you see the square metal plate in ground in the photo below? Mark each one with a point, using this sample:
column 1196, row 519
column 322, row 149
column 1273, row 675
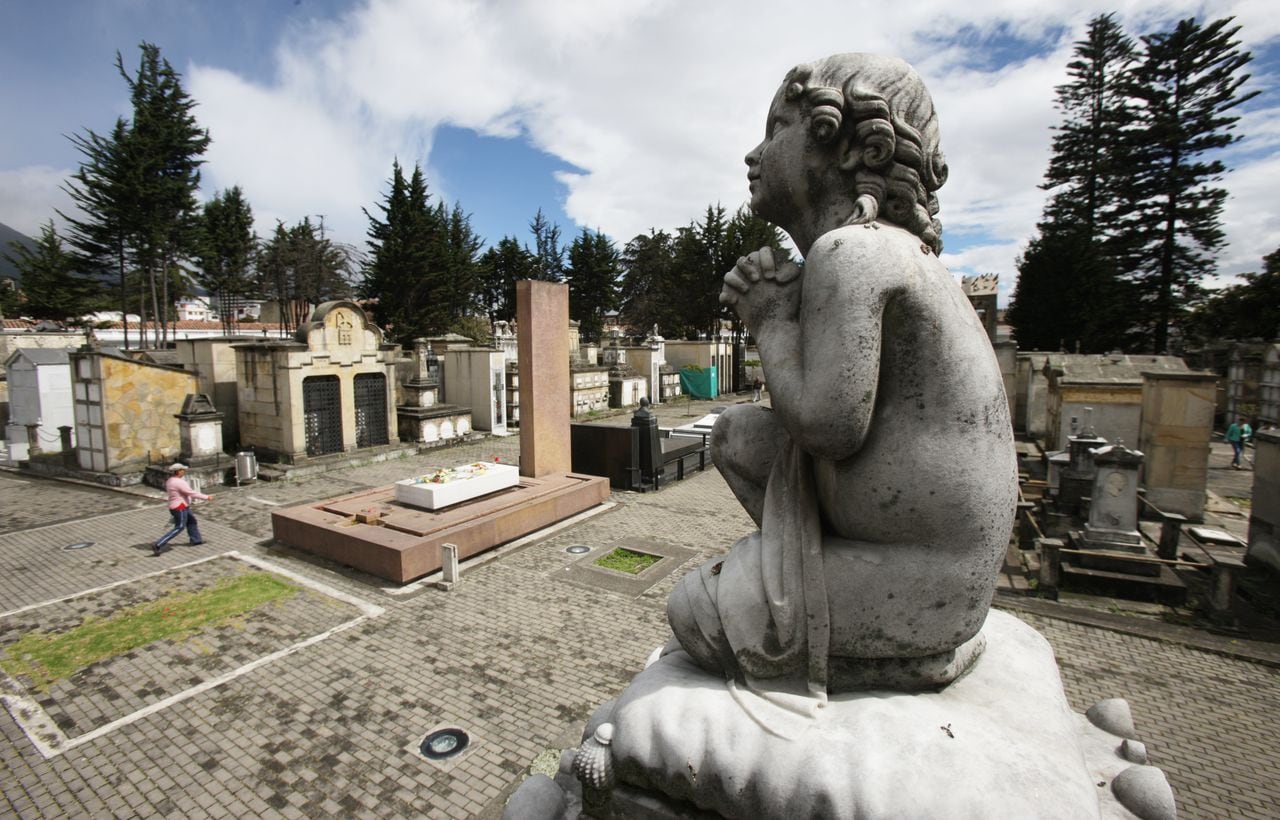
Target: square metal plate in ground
column 584, row 571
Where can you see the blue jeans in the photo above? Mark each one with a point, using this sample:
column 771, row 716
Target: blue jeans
column 1238, row 447
column 183, row 519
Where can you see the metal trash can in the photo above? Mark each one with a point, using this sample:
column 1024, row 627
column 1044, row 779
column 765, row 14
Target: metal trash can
column 246, row 466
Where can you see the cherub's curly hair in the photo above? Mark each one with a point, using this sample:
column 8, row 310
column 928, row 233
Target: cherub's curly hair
column 882, row 104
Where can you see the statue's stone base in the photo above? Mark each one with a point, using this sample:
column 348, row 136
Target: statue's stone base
column 1000, row 741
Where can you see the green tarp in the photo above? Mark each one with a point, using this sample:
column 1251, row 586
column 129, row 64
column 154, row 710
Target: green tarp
column 699, row 384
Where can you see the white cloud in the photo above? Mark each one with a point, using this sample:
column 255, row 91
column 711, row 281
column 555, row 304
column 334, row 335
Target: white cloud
column 28, row 197
column 656, row 101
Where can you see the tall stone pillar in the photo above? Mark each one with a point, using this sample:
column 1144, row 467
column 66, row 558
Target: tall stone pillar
column 542, row 315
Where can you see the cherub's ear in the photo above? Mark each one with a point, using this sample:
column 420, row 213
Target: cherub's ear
column 849, row 154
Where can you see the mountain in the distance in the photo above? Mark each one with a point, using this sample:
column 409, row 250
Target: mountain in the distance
column 7, row 235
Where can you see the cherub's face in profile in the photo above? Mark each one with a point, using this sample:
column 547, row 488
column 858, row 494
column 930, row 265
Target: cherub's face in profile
column 776, row 168
column 791, row 174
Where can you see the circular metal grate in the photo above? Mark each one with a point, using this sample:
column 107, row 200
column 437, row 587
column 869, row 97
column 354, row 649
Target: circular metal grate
column 578, row 549
column 444, row 743
column 79, row 545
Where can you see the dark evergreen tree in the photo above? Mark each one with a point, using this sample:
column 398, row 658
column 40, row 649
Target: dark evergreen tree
column 1068, row 292
column 51, row 286
column 166, row 144
column 650, row 293
column 459, row 259
column 594, row 269
column 500, row 268
column 226, row 252
column 702, row 258
column 422, row 274
column 1085, row 173
column 105, row 191
column 1250, row 310
column 547, row 254
column 1186, row 89
column 1069, row 297
column 399, row 276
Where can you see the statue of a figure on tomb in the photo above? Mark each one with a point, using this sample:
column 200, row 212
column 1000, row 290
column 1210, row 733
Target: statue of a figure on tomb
column 884, row 477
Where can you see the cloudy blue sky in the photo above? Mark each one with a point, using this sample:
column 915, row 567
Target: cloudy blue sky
column 620, row 115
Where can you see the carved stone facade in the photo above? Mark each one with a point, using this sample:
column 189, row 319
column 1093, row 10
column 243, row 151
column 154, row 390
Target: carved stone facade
column 330, row 390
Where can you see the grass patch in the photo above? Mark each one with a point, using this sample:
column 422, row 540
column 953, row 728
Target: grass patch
column 48, row 657
column 1240, row 501
column 628, row 561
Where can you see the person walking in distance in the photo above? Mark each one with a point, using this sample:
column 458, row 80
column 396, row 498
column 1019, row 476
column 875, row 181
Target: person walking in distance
column 180, row 495
column 1238, row 434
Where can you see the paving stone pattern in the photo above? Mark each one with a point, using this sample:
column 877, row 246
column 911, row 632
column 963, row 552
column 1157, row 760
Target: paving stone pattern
column 114, row 688
column 517, row 655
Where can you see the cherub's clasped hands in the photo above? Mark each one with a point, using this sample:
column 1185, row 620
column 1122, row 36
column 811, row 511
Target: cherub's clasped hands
column 742, row 287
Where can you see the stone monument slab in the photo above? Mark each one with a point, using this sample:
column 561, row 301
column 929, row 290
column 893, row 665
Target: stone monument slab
column 447, row 487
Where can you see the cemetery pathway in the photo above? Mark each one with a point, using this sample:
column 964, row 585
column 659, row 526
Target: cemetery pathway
column 518, row 654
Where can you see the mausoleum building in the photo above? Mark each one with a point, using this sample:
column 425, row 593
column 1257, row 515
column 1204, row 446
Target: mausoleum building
column 329, row 390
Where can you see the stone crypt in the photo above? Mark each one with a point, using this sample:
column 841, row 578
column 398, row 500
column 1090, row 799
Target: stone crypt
column 843, row 660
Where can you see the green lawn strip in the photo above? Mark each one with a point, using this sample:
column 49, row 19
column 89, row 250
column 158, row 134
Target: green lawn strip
column 49, row 657
column 625, row 560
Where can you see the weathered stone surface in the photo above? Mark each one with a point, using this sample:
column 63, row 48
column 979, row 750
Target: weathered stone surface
column 879, row 372
column 978, row 748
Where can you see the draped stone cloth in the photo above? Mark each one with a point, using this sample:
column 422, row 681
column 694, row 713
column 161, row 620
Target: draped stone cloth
column 762, row 612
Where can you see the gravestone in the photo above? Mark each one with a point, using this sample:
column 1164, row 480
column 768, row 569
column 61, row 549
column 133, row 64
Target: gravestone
column 1113, row 503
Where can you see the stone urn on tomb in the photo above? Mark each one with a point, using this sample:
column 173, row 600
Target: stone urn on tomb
column 843, row 659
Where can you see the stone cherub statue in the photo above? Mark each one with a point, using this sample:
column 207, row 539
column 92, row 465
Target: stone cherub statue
column 884, row 478
column 883, row 481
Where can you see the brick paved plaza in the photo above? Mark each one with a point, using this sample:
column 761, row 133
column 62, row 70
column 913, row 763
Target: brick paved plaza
column 517, row 655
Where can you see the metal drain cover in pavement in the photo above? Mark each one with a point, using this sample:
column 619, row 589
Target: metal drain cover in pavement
column 79, row 546
column 444, row 743
column 578, row 549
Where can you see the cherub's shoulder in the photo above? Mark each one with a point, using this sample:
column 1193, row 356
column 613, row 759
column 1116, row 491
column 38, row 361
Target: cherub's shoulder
column 875, row 250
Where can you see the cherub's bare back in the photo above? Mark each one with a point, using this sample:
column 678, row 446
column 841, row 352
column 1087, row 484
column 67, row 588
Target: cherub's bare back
column 939, row 434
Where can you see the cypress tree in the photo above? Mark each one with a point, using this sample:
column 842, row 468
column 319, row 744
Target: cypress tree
column 105, row 190
column 166, row 145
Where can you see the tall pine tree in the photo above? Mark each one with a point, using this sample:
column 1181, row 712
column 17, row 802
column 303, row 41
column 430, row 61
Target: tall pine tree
column 166, row 146
column 1186, row 90
column 594, row 268
column 500, row 268
column 548, row 255
column 226, row 252
column 105, row 191
column 422, row 273
column 649, row 286
column 1069, row 290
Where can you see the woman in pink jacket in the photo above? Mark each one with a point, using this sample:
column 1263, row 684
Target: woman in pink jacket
column 180, row 494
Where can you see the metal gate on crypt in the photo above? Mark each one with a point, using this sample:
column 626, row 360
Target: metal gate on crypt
column 322, row 414
column 371, row 409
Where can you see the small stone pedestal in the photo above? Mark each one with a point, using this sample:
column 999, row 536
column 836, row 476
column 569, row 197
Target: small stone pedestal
column 199, row 430
column 1000, row 741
